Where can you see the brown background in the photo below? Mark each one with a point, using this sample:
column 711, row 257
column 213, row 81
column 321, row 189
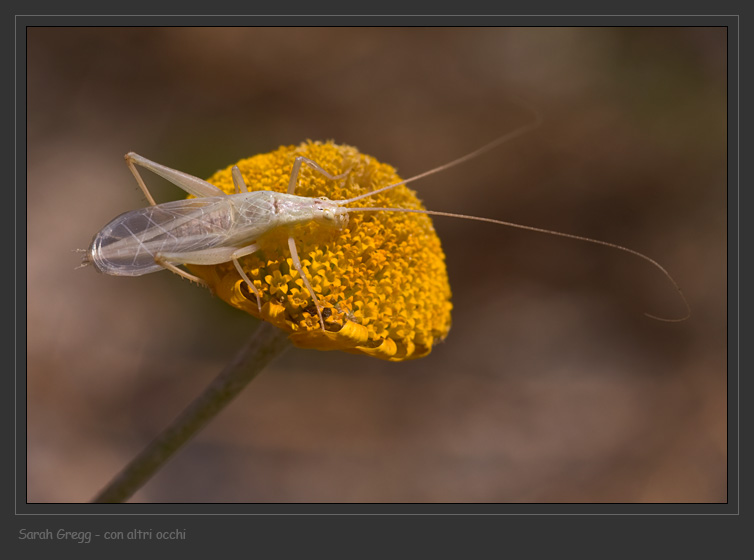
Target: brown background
column 552, row 386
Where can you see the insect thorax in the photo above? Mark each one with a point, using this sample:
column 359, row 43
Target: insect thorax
column 269, row 210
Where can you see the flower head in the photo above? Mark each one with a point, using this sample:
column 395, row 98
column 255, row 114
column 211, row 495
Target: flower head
column 381, row 280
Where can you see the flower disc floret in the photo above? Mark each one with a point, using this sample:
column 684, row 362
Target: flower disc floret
column 381, row 281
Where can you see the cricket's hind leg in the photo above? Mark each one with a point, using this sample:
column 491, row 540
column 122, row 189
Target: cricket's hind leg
column 238, row 181
column 192, row 185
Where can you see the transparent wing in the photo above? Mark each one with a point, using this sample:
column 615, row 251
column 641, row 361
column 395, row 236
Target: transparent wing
column 127, row 245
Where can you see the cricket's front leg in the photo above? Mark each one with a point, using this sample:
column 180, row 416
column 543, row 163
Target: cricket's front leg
column 299, row 268
column 293, row 181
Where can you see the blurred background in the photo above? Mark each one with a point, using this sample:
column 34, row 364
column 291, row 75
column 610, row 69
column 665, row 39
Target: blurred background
column 551, row 387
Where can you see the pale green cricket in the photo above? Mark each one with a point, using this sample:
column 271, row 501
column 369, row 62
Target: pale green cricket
column 215, row 227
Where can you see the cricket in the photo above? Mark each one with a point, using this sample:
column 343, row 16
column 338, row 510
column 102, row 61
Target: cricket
column 216, row 227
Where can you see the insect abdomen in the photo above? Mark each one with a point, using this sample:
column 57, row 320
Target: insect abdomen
column 127, row 246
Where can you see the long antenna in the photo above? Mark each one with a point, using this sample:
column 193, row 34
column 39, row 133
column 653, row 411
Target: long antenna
column 550, row 232
column 538, row 119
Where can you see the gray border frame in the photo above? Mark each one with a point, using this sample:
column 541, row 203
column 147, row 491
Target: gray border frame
column 41, row 515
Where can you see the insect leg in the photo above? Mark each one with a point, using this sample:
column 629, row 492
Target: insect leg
column 139, row 180
column 297, row 264
column 206, row 257
column 297, row 165
column 159, row 259
column 238, row 181
column 192, row 185
column 248, row 250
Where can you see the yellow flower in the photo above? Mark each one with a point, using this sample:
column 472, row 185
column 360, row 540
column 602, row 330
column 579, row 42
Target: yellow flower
column 381, row 281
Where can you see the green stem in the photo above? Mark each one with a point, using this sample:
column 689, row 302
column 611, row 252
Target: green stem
column 265, row 343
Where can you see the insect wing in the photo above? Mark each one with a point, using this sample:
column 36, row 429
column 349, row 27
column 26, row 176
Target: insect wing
column 127, row 246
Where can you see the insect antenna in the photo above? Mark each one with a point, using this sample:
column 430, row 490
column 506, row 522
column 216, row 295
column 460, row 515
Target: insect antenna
column 538, row 119
column 550, row 232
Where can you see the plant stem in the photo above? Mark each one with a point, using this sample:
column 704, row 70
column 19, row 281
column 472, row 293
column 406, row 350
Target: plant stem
column 263, row 346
